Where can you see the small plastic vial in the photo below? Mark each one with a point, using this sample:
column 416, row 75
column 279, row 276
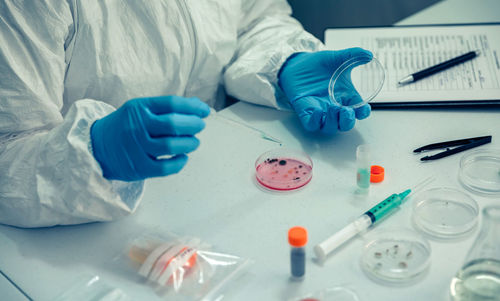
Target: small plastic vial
column 363, row 168
column 297, row 237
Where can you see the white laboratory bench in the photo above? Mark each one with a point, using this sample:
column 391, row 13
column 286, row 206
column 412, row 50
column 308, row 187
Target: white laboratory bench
column 9, row 291
column 215, row 198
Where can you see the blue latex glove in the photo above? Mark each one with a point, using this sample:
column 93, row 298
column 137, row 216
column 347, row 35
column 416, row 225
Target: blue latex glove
column 304, row 78
column 128, row 142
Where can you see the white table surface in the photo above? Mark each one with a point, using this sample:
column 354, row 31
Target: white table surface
column 216, row 199
column 9, row 292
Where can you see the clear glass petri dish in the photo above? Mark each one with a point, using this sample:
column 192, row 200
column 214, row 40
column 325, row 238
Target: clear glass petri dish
column 337, row 293
column 283, row 169
column 395, row 256
column 445, row 213
column 356, row 82
column 480, row 171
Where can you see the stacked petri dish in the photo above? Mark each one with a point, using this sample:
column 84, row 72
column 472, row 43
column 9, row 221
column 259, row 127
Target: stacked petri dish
column 480, row 172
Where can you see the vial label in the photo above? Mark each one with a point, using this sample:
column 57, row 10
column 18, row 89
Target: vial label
column 363, row 178
column 298, row 262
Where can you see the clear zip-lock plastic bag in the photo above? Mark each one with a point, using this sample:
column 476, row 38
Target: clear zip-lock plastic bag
column 183, row 267
column 92, row 288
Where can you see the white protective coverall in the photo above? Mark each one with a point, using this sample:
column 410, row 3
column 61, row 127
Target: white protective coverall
column 65, row 64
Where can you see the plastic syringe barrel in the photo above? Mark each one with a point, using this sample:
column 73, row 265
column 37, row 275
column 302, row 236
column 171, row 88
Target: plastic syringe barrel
column 360, row 224
column 387, row 206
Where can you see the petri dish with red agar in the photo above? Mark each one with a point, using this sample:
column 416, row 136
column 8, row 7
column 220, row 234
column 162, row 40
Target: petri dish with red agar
column 283, row 169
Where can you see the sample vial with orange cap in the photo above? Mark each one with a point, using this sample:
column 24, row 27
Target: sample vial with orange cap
column 363, row 168
column 297, row 237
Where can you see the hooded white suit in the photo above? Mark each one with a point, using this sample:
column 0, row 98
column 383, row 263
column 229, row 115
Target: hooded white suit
column 65, row 64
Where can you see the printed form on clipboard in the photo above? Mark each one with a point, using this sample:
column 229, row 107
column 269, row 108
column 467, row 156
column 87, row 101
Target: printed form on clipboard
column 404, row 50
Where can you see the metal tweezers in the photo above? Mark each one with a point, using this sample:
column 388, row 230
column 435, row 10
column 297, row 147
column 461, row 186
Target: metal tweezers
column 466, row 144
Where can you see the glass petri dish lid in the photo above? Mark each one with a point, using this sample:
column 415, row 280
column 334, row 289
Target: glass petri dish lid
column 480, row 171
column 395, row 255
column 365, row 74
column 283, row 169
column 445, row 213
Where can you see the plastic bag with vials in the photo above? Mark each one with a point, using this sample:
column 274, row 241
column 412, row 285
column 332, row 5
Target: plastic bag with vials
column 183, row 267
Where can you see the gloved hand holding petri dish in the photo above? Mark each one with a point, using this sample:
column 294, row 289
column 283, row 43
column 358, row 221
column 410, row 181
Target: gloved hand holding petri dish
column 356, row 82
column 305, row 78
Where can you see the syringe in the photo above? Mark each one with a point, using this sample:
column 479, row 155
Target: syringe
column 370, row 217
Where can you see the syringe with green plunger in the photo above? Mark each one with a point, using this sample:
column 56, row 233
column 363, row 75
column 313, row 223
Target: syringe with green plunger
column 367, row 219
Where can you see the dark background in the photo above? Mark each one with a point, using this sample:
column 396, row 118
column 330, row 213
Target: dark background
column 318, row 15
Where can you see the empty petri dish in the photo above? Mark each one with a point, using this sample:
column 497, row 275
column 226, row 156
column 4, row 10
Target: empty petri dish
column 480, row 171
column 356, row 82
column 395, row 255
column 445, row 212
column 337, row 293
column 283, row 169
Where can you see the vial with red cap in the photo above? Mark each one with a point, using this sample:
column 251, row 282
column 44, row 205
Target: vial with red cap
column 297, row 237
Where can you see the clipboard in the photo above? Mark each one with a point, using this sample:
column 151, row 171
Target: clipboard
column 406, row 49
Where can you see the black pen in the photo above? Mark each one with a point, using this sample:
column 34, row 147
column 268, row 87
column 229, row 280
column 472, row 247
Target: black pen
column 439, row 67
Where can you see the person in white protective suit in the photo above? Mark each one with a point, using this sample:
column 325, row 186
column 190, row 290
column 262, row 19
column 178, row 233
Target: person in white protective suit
column 93, row 92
